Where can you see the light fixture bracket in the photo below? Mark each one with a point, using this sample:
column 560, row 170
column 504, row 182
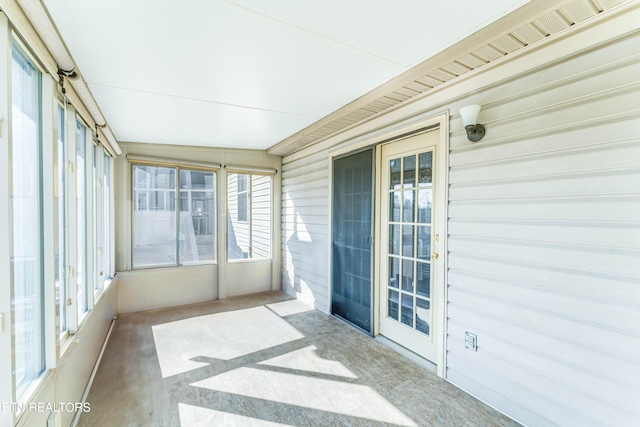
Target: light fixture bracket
column 71, row 74
column 475, row 132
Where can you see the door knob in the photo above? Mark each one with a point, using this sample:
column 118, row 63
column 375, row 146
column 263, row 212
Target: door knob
column 435, row 255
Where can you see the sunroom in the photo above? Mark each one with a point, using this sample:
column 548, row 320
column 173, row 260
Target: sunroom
column 272, row 213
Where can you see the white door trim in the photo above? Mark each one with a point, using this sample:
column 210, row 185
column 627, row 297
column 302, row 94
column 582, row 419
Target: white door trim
column 441, row 122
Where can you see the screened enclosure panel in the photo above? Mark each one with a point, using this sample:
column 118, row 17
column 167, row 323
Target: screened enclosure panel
column 352, row 218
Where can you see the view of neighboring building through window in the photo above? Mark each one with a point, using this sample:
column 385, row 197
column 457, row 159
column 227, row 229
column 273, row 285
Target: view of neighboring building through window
column 249, row 227
column 26, row 247
column 197, row 216
column 157, row 226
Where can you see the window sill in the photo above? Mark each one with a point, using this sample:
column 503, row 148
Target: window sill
column 249, row 260
column 152, row 267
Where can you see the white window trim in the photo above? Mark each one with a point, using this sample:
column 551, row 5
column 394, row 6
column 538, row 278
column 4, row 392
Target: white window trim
column 6, row 320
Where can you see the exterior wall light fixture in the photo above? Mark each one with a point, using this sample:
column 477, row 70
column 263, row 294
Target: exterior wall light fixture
column 469, row 114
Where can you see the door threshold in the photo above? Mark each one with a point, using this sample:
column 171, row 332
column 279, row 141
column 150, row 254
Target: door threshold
column 342, row 319
column 415, row 358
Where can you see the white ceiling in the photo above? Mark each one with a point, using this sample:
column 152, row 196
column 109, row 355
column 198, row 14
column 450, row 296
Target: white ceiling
column 249, row 73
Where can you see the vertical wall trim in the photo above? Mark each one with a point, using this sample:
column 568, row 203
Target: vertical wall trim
column 221, row 191
column 6, row 337
column 330, row 233
column 276, row 227
column 90, row 238
column 441, row 367
column 72, row 200
column 49, row 138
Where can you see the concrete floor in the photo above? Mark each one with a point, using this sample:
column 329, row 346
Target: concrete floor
column 265, row 360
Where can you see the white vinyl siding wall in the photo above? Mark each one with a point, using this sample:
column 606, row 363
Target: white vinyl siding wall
column 258, row 214
column 543, row 235
column 544, row 243
column 305, row 216
column 241, row 228
column 260, row 203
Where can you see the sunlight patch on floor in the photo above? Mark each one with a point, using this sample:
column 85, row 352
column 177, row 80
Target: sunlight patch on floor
column 195, row 416
column 306, row 359
column 325, row 395
column 223, row 336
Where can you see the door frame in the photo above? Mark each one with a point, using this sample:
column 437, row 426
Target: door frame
column 394, row 132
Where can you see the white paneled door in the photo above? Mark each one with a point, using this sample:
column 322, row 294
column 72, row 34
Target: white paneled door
column 409, row 244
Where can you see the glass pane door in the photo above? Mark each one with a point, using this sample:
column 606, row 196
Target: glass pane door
column 410, row 202
column 409, row 231
column 352, row 238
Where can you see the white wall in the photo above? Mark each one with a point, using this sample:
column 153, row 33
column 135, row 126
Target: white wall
column 148, row 289
column 305, row 225
column 544, row 231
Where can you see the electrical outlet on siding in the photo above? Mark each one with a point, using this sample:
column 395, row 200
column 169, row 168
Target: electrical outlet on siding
column 470, row 341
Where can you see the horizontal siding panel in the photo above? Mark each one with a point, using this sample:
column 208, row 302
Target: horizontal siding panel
column 303, row 202
column 301, row 188
column 289, row 233
column 291, row 163
column 614, row 235
column 297, row 256
column 551, row 119
column 617, row 395
column 620, row 343
column 311, row 176
column 312, row 275
column 289, row 193
column 492, row 392
column 306, row 229
column 302, row 214
column 300, row 284
column 619, row 315
column 600, row 132
column 302, row 228
column 302, row 173
column 626, row 371
column 598, row 260
column 622, row 155
column 552, row 88
column 608, row 182
column 613, row 209
column 305, row 219
column 573, row 409
column 603, row 286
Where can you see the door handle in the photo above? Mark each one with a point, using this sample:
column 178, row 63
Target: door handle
column 435, row 255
